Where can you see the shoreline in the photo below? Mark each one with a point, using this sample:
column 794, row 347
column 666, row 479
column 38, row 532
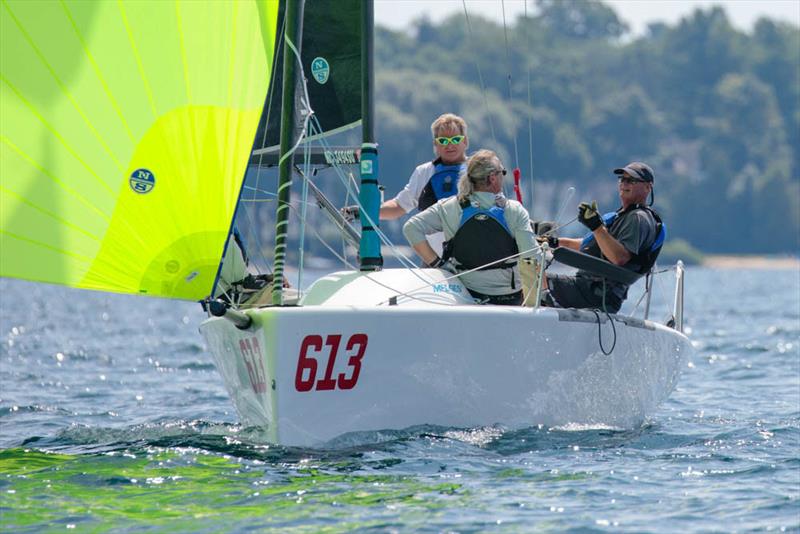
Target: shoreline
column 722, row 261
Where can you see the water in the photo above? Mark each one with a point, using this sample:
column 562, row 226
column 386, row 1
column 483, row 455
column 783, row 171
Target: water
column 112, row 416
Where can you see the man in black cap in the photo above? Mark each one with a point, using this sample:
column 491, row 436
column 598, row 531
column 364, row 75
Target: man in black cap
column 630, row 237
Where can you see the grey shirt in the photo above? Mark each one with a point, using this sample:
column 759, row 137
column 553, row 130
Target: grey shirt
column 445, row 216
column 635, row 230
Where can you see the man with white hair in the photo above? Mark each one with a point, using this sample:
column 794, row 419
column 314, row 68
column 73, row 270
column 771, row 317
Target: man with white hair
column 433, row 180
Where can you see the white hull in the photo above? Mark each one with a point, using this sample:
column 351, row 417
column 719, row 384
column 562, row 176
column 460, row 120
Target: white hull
column 461, row 366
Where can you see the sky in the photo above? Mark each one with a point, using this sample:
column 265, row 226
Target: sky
column 398, row 14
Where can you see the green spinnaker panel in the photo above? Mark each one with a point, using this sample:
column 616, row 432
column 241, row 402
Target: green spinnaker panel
column 126, row 127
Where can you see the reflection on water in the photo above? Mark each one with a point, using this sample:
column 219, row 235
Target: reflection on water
column 112, row 416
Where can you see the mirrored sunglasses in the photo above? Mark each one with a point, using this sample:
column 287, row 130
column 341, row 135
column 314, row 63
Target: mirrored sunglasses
column 444, row 141
column 630, row 180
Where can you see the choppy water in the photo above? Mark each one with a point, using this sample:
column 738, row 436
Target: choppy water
column 112, row 416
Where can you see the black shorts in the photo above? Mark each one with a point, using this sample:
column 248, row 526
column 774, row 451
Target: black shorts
column 581, row 292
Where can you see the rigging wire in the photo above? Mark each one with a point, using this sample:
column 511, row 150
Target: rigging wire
column 508, row 78
column 404, row 260
column 303, row 213
column 249, row 215
column 530, row 104
column 537, row 252
column 471, row 37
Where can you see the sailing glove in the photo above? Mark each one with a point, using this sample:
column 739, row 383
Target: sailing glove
column 589, row 216
column 551, row 240
column 351, row 213
column 439, row 263
column 542, row 227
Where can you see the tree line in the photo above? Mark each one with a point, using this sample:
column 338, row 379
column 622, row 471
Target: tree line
column 566, row 94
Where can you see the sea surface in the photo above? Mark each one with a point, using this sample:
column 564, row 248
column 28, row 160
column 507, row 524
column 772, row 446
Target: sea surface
column 113, row 418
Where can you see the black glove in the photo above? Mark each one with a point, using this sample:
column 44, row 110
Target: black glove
column 351, row 213
column 589, row 216
column 542, row 227
column 551, row 240
column 445, row 265
column 435, row 263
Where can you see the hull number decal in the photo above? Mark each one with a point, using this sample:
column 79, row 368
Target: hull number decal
column 313, row 347
column 251, row 354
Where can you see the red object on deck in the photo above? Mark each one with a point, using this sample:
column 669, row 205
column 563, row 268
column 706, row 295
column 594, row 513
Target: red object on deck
column 517, row 174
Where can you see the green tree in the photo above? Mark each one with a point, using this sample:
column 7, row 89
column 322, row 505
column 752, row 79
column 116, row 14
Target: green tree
column 581, row 19
column 715, row 111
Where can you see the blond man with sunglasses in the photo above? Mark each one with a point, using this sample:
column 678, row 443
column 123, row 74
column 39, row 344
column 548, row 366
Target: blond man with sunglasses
column 433, row 180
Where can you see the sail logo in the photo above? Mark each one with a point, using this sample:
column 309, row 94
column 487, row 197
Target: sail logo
column 341, row 157
column 142, row 181
column 320, row 69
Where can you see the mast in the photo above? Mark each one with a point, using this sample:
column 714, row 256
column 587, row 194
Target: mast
column 369, row 196
column 292, row 35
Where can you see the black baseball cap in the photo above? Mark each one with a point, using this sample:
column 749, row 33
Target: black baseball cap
column 637, row 169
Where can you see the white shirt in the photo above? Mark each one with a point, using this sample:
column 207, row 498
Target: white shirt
column 408, row 199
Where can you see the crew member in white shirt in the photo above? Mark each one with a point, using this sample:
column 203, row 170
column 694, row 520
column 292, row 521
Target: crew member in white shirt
column 433, row 180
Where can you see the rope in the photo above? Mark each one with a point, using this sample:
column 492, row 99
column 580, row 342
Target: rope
column 537, row 251
column 600, row 331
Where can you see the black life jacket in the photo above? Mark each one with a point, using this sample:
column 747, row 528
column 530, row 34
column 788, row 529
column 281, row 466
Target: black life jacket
column 483, row 237
column 645, row 258
column 442, row 184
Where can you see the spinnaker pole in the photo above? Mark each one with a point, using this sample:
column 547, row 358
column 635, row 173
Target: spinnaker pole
column 369, row 196
column 292, row 35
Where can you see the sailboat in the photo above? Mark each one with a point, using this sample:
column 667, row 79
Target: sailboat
column 128, row 135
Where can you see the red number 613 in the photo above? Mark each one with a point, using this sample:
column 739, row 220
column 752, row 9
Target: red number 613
column 306, row 377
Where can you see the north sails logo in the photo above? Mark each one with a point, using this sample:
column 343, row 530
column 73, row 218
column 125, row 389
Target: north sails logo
column 320, row 69
column 142, row 181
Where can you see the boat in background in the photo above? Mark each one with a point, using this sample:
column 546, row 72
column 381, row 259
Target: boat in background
column 128, row 165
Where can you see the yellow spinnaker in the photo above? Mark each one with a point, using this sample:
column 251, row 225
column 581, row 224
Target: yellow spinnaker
column 126, row 128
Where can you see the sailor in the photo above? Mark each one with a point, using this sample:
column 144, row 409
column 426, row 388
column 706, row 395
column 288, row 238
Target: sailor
column 432, row 180
column 630, row 237
column 486, row 233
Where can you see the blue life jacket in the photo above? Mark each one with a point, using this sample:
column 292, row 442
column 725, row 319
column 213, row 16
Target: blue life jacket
column 442, row 184
column 483, row 239
column 644, row 259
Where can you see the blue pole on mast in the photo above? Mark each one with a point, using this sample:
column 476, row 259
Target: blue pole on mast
column 369, row 196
